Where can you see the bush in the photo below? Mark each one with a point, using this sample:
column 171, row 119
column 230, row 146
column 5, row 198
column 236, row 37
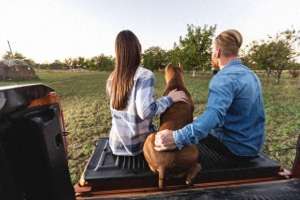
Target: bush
column 294, row 73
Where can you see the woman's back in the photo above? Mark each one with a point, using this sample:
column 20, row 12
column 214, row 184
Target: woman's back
column 132, row 103
column 131, row 126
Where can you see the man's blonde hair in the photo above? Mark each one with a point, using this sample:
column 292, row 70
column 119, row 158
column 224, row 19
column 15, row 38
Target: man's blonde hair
column 229, row 42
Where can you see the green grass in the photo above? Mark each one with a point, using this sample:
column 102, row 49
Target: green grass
column 87, row 114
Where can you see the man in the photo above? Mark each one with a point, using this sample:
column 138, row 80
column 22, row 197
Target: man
column 234, row 118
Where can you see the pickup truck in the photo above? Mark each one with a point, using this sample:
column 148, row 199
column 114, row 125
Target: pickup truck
column 34, row 165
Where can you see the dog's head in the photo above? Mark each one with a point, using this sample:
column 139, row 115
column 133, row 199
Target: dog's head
column 172, row 72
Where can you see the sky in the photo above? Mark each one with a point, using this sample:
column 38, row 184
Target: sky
column 45, row 30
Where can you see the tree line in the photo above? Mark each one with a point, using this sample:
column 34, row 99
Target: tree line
column 193, row 51
column 101, row 62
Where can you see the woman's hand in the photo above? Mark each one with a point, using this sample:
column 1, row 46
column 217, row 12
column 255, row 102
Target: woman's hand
column 177, row 96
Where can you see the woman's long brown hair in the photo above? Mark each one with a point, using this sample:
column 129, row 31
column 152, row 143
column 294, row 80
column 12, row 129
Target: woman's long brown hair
column 128, row 58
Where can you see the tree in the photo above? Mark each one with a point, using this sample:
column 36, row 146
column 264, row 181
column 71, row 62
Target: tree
column 294, row 69
column 81, row 62
column 57, row 65
column 102, row 62
column 275, row 54
column 196, row 46
column 18, row 56
column 15, row 55
column 154, row 58
column 259, row 57
column 193, row 50
column 174, row 55
column 68, row 62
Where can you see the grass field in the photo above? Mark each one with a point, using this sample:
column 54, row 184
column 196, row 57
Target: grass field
column 87, row 113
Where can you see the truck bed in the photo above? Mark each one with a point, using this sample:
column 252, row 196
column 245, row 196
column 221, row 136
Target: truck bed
column 107, row 170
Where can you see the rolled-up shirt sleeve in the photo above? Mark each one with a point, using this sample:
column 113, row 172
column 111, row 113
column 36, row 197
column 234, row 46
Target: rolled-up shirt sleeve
column 146, row 105
column 220, row 97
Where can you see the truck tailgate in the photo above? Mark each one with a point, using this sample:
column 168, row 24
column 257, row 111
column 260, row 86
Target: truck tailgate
column 275, row 190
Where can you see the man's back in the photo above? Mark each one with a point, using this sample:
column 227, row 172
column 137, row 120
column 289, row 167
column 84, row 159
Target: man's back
column 242, row 128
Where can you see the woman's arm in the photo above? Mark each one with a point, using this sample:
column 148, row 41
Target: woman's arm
column 147, row 106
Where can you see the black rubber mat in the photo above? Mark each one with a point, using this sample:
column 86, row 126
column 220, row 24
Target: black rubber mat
column 103, row 165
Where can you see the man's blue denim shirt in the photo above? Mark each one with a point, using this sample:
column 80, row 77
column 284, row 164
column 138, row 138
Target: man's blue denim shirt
column 234, row 112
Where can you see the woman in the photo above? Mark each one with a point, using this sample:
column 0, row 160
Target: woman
column 132, row 104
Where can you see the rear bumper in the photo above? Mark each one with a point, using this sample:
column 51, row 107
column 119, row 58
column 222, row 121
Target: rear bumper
column 264, row 190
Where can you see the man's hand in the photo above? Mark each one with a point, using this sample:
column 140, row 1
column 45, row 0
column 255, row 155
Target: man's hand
column 164, row 141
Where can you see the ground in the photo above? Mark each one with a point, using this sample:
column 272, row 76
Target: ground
column 87, row 114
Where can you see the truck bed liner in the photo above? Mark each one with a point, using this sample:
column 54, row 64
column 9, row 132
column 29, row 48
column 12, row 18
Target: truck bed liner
column 105, row 167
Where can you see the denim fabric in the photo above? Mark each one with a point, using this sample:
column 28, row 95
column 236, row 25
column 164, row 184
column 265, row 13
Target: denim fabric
column 234, row 112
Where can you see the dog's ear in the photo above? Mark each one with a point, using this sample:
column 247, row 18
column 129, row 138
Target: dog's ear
column 180, row 66
column 168, row 66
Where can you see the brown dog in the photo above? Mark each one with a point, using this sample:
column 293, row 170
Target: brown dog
column 184, row 161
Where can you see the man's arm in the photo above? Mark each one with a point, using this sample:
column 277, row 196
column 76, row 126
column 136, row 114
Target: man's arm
column 220, row 97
